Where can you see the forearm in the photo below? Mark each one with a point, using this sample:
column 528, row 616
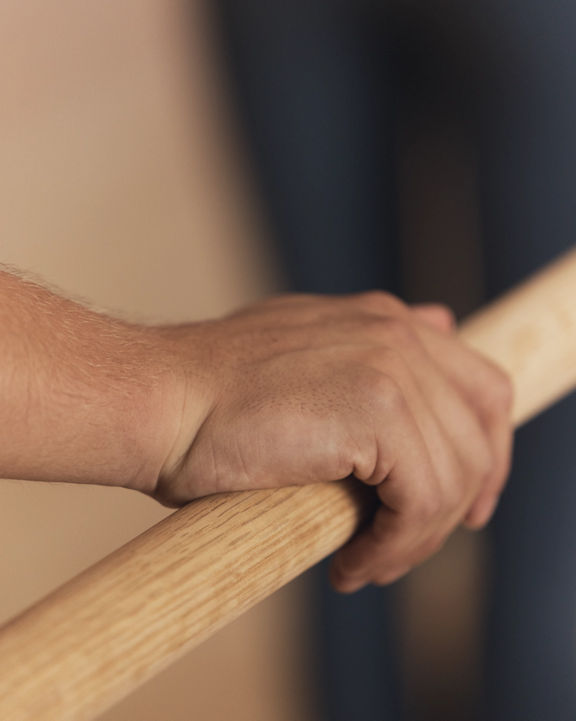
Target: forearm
column 299, row 389
column 82, row 396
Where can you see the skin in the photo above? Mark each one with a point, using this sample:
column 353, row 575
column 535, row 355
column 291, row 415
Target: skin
column 294, row 390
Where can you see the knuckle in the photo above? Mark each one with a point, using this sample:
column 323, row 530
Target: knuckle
column 368, row 466
column 397, row 332
column 387, row 395
column 377, row 301
column 340, row 464
column 447, row 312
column 429, row 506
column 376, row 386
column 498, row 396
column 388, row 361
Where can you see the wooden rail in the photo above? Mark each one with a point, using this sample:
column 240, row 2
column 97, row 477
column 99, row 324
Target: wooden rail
column 98, row 637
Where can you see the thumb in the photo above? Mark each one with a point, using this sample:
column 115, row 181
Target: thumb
column 436, row 315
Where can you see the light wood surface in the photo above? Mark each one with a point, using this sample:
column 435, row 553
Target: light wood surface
column 531, row 332
column 105, row 632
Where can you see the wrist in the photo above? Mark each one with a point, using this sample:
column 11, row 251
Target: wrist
column 180, row 402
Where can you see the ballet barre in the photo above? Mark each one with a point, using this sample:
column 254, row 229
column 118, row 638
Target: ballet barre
column 98, row 637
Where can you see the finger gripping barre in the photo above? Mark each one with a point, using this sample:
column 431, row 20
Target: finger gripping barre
column 105, row 632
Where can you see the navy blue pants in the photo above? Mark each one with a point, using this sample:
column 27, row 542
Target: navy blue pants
column 321, row 85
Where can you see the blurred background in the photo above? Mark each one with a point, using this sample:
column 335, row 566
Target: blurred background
column 136, row 172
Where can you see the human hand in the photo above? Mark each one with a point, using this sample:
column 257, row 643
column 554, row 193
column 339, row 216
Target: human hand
column 309, row 389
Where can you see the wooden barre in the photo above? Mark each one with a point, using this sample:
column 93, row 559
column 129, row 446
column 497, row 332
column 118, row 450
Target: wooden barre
column 98, row 637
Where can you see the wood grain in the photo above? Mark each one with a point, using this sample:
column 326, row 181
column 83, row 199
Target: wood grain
column 111, row 628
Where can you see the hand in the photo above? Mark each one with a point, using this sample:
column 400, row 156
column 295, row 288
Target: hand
column 309, row 389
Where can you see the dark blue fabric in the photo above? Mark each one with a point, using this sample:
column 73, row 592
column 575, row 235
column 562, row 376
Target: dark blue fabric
column 319, row 85
column 311, row 83
column 316, row 110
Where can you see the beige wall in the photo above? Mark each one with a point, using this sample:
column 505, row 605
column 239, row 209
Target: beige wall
column 119, row 182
